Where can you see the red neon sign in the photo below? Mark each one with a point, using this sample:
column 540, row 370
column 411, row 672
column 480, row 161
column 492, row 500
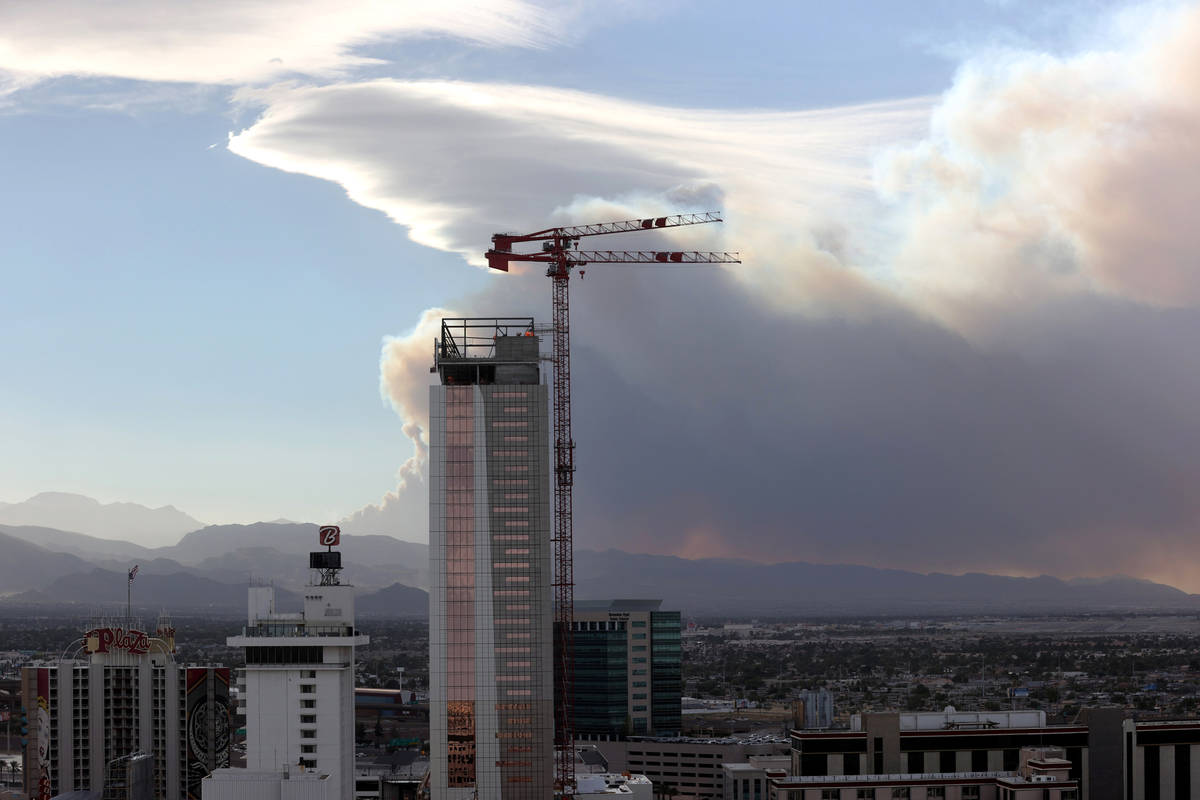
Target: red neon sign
column 108, row 639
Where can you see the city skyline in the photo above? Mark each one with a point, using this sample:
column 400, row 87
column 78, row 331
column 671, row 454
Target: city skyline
column 959, row 339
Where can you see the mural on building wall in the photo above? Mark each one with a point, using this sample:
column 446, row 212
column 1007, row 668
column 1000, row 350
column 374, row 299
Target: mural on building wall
column 43, row 734
column 207, row 725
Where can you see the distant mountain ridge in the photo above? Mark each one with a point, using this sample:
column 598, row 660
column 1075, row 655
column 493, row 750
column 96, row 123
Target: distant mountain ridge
column 64, row 511
column 207, row 571
column 209, row 567
column 745, row 588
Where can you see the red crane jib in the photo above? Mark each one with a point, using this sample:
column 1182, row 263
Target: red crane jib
column 560, row 249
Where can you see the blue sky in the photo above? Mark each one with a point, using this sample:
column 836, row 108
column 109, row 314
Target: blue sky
column 196, row 323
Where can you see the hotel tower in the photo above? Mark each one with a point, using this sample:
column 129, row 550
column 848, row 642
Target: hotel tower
column 490, row 617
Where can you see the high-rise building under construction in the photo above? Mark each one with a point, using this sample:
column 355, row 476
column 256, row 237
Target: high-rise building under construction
column 491, row 617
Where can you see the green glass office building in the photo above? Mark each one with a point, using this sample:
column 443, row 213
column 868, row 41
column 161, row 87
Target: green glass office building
column 628, row 678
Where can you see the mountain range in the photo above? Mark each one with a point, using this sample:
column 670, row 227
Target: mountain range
column 74, row 512
column 208, row 569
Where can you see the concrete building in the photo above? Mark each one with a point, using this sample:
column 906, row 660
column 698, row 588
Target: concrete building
column 628, row 673
column 1041, row 775
column 751, row 779
column 1109, row 757
column 686, row 768
column 612, row 786
column 286, row 783
column 491, row 702
column 299, row 698
column 119, row 706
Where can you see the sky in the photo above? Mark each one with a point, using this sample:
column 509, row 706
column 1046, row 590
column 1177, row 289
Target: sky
column 961, row 337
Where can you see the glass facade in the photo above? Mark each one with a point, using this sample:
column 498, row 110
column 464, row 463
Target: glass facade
column 491, row 704
column 459, row 604
column 666, row 673
column 628, row 672
column 600, row 681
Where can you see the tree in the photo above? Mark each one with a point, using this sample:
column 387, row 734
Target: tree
column 917, row 697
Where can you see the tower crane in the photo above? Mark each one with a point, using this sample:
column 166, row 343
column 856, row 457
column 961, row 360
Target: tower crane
column 561, row 254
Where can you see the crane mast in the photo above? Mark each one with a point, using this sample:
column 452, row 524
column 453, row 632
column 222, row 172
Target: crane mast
column 561, row 254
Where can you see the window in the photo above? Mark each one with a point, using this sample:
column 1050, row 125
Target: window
column 935, row 793
column 516, row 409
column 864, row 794
column 830, row 794
column 308, row 734
column 510, row 565
column 972, row 793
column 510, row 424
column 901, row 793
column 509, row 395
column 284, row 655
column 510, row 453
column 516, row 551
column 516, row 438
column 308, row 748
column 639, row 708
column 516, row 495
column 510, row 509
column 510, row 482
column 639, row 648
column 516, row 523
column 641, row 660
column 308, row 719
column 638, row 623
column 308, row 688
column 639, row 636
column 639, row 684
column 639, row 696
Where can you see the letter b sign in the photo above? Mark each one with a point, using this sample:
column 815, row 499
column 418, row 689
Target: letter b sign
column 330, row 536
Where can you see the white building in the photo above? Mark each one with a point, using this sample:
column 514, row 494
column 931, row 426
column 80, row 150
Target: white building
column 299, row 697
column 613, row 785
column 290, row 783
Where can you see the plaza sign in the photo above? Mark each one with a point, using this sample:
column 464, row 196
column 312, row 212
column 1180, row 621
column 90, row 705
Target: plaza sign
column 106, row 640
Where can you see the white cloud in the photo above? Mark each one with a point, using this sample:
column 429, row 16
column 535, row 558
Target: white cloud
column 1043, row 181
column 242, row 41
column 403, row 382
column 1047, row 177
column 456, row 162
